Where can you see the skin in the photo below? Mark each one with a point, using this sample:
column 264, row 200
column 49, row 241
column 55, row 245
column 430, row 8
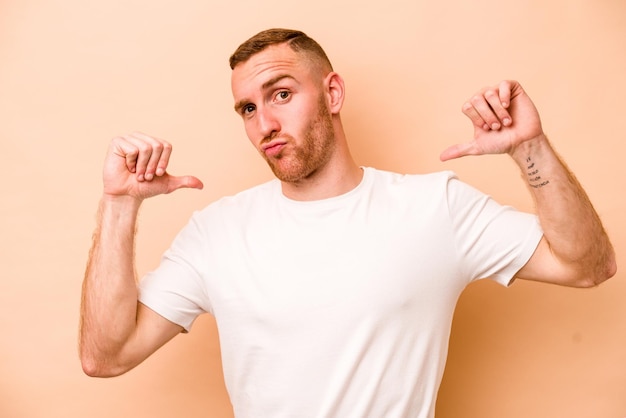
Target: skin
column 290, row 107
column 575, row 250
column 117, row 332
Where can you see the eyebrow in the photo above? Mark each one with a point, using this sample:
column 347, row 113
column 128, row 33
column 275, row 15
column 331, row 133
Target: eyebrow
column 269, row 83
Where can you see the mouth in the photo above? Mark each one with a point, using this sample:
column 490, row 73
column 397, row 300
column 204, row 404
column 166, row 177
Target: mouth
column 273, row 148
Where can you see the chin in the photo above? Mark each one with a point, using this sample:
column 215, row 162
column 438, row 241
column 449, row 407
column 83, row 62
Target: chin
column 291, row 174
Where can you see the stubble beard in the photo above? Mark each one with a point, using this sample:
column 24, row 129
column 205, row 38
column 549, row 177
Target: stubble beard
column 301, row 162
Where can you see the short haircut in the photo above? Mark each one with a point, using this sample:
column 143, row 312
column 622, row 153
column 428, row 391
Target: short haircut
column 297, row 40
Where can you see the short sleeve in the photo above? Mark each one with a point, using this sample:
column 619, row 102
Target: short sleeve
column 492, row 240
column 175, row 289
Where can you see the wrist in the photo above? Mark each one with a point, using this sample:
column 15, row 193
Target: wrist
column 120, row 203
column 529, row 149
column 538, row 162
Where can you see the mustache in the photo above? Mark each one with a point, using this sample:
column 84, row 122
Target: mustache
column 276, row 135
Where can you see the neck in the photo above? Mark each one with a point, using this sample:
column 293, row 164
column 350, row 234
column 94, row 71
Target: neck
column 324, row 183
column 340, row 175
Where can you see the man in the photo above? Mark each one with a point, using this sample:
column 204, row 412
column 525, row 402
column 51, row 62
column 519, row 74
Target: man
column 334, row 286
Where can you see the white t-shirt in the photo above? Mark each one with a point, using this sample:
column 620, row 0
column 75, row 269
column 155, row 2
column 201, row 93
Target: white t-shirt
column 340, row 307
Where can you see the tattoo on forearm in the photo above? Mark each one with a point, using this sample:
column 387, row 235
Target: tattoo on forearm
column 534, row 178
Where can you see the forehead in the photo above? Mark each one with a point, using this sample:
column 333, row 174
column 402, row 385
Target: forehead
column 262, row 66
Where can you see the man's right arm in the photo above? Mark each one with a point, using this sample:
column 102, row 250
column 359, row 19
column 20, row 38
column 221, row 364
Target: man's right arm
column 117, row 332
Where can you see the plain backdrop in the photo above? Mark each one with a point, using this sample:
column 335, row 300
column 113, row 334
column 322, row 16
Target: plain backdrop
column 75, row 73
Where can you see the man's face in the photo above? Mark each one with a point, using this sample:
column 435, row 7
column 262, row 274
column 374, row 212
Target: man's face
column 280, row 96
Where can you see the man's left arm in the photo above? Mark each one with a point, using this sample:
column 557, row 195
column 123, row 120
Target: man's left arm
column 575, row 249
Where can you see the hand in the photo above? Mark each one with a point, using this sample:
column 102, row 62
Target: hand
column 136, row 165
column 503, row 117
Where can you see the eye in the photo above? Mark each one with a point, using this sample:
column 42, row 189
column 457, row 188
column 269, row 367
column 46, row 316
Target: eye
column 247, row 109
column 282, row 95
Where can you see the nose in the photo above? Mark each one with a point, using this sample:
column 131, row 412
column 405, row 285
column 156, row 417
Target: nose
column 268, row 124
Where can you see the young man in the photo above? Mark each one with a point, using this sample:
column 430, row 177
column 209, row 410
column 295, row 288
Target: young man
column 334, row 285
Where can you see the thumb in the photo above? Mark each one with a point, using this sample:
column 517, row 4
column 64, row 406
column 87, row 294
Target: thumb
column 183, row 182
column 457, row 151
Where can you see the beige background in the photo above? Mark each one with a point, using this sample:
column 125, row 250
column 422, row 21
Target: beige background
column 74, row 73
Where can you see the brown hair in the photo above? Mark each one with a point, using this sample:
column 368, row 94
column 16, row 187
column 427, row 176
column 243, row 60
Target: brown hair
column 297, row 40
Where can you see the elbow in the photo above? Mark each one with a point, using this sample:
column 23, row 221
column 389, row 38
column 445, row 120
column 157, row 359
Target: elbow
column 95, row 366
column 601, row 273
column 91, row 368
column 609, row 270
column 95, row 369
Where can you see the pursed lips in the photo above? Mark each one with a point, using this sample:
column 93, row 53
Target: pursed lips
column 272, row 148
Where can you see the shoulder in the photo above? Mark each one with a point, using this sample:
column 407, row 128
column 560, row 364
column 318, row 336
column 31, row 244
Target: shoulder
column 418, row 194
column 427, row 182
column 445, row 185
column 257, row 199
column 395, row 177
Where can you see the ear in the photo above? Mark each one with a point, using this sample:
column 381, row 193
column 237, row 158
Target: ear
column 335, row 90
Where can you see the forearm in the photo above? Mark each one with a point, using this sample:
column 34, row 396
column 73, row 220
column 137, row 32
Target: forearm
column 571, row 226
column 109, row 300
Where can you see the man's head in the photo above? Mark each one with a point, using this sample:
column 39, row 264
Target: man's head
column 289, row 100
column 297, row 40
